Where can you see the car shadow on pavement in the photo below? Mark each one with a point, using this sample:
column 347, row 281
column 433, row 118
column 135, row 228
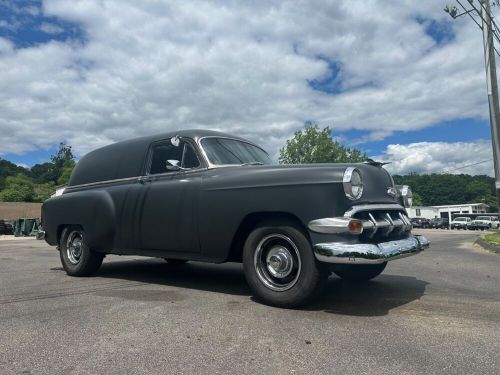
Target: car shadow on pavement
column 372, row 298
column 227, row 278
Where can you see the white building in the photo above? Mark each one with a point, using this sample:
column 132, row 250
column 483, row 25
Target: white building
column 447, row 211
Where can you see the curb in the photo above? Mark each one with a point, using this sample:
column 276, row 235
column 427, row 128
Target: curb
column 488, row 246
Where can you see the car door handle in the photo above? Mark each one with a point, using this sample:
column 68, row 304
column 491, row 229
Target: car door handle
column 144, row 179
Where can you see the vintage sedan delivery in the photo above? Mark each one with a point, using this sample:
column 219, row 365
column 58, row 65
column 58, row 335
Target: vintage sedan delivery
column 212, row 197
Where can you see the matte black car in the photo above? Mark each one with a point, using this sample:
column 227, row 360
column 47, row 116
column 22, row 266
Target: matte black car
column 212, row 197
column 420, row 222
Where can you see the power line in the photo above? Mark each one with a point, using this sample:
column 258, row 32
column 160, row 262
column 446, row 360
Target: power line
column 468, row 165
column 494, row 29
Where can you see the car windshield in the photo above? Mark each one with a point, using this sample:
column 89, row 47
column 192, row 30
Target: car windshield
column 223, row 151
column 483, row 218
column 461, row 219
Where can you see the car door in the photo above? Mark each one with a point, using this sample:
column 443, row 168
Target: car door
column 169, row 198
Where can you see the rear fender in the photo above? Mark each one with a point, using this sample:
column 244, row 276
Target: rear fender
column 94, row 211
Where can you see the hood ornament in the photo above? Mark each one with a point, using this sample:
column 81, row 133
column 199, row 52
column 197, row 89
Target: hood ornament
column 376, row 163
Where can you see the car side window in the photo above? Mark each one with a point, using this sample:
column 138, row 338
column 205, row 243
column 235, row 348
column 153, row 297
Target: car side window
column 184, row 154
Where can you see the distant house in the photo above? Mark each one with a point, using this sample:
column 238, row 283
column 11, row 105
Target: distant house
column 449, row 211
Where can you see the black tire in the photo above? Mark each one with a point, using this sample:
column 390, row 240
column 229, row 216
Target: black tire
column 175, row 262
column 360, row 272
column 76, row 257
column 282, row 248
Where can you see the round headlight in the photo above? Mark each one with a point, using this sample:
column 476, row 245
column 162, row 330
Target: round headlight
column 353, row 183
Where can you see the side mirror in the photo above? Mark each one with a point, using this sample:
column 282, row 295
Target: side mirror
column 175, row 141
column 173, row 165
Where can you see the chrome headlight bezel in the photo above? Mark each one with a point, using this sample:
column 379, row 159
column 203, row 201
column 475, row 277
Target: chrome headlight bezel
column 406, row 195
column 353, row 183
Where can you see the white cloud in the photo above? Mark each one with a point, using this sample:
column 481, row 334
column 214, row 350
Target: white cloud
column 51, row 28
column 473, row 158
column 242, row 67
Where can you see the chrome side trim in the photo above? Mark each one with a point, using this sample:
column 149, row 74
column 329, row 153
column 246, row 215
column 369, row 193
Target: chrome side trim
column 97, row 183
column 373, row 207
column 366, row 253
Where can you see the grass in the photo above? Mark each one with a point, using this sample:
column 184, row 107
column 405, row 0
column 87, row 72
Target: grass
column 493, row 238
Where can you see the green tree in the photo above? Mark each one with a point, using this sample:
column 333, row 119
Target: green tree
column 62, row 161
column 43, row 173
column 7, row 169
column 43, row 191
column 18, row 188
column 417, row 199
column 312, row 145
column 443, row 189
column 68, row 167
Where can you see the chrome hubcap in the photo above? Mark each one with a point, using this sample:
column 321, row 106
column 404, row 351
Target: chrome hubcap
column 74, row 247
column 277, row 262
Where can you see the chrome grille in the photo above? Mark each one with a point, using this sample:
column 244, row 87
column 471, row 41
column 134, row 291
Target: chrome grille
column 382, row 222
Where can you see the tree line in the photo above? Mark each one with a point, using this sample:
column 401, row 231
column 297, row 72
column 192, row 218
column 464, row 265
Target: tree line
column 35, row 184
column 309, row 145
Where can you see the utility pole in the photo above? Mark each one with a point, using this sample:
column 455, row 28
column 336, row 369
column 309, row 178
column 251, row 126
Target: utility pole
column 492, row 87
column 491, row 73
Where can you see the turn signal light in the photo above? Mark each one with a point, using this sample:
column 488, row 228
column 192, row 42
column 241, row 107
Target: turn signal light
column 355, row 227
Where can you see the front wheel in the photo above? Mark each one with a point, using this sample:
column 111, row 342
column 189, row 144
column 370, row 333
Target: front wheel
column 280, row 266
column 360, row 272
column 76, row 256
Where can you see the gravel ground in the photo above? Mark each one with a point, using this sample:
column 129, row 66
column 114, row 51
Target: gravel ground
column 438, row 312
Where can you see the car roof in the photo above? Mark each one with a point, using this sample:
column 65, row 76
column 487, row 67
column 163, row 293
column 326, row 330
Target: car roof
column 125, row 159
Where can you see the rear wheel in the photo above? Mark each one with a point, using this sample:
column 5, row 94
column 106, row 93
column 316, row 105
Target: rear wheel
column 76, row 256
column 360, row 272
column 280, row 266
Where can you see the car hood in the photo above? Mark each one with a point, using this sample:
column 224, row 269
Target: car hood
column 376, row 180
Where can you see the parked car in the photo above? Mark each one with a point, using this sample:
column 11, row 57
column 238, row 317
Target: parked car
column 6, row 228
column 460, row 222
column 212, row 197
column 420, row 222
column 439, row 223
column 484, row 222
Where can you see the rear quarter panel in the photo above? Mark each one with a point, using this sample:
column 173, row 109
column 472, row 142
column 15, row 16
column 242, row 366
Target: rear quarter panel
column 94, row 210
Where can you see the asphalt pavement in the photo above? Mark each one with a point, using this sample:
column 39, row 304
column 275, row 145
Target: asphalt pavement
column 434, row 313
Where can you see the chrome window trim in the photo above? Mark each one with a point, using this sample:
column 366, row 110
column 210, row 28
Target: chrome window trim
column 207, row 160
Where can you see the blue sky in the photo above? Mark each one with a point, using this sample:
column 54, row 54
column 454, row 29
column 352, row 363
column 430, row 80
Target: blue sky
column 25, row 25
column 90, row 73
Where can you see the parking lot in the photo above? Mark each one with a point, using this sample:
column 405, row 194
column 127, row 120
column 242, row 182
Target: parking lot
column 438, row 312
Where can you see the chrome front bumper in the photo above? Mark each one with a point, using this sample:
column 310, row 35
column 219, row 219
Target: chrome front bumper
column 366, row 253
